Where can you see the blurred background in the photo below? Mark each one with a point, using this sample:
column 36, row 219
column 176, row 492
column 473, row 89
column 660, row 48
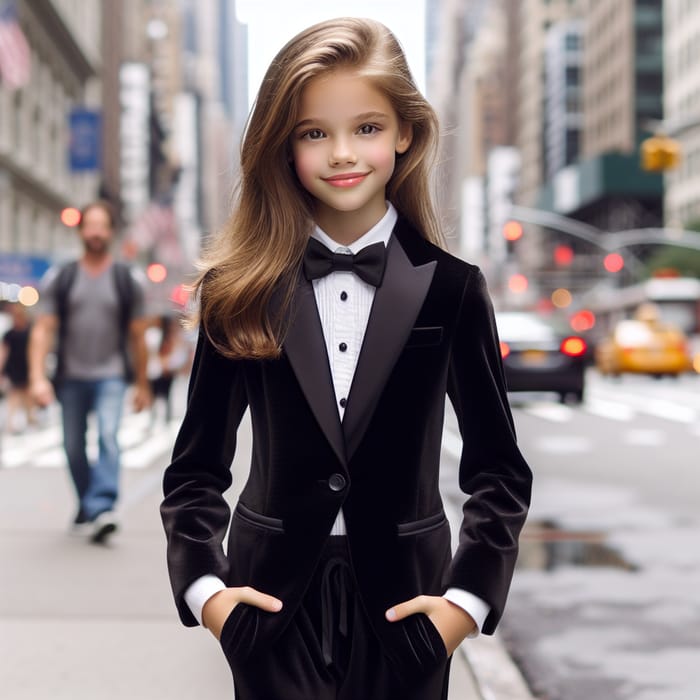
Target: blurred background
column 569, row 171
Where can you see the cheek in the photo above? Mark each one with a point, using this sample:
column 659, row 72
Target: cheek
column 383, row 158
column 304, row 165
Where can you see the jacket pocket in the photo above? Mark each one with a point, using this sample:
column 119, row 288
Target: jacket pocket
column 424, row 336
column 239, row 633
column 265, row 522
column 418, row 527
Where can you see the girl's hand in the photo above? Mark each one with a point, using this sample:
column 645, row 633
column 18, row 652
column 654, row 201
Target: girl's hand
column 221, row 604
column 453, row 623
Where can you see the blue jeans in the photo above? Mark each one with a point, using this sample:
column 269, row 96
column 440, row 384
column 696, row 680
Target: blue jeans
column 96, row 485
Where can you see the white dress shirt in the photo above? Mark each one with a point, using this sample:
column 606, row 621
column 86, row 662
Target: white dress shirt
column 344, row 304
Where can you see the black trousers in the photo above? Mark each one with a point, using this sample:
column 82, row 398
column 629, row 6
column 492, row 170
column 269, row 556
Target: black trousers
column 329, row 651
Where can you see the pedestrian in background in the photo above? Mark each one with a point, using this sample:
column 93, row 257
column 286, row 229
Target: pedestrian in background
column 170, row 356
column 94, row 308
column 14, row 367
column 329, row 311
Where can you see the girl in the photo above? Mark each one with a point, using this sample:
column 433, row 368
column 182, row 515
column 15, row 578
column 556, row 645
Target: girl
column 329, row 311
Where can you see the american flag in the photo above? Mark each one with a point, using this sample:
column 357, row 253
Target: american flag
column 15, row 54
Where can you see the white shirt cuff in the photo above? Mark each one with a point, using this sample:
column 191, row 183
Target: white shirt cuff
column 200, row 591
column 475, row 606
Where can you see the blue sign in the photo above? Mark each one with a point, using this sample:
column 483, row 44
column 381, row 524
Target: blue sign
column 22, row 269
column 85, row 139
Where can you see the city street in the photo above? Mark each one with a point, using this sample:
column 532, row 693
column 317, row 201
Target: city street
column 606, row 603
column 80, row 621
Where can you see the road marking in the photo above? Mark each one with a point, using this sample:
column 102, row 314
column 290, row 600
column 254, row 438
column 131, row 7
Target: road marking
column 608, row 409
column 140, row 445
column 644, row 438
column 555, row 412
column 564, row 444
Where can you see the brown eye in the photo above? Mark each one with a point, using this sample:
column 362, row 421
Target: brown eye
column 313, row 135
column 368, row 129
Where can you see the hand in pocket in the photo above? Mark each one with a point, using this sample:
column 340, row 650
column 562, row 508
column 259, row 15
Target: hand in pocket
column 452, row 623
column 221, row 605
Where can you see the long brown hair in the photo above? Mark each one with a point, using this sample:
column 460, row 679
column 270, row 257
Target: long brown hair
column 259, row 250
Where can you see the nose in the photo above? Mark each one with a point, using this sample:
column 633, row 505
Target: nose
column 342, row 152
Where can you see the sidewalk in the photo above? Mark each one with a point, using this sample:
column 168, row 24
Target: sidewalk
column 81, row 622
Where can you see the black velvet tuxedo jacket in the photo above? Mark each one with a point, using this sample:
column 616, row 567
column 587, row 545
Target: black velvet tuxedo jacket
column 431, row 332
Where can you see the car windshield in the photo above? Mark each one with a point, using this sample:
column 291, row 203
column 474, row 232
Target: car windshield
column 632, row 333
column 519, row 326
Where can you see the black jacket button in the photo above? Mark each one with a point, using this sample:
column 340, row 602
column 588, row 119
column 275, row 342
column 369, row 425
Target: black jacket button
column 336, row 482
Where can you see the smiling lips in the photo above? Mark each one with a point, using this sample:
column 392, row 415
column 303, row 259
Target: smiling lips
column 345, row 179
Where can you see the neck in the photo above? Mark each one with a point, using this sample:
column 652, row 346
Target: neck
column 96, row 262
column 346, row 227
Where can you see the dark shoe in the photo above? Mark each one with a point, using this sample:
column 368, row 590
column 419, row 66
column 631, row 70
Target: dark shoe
column 81, row 526
column 104, row 525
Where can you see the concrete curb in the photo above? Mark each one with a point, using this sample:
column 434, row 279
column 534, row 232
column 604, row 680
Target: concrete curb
column 495, row 675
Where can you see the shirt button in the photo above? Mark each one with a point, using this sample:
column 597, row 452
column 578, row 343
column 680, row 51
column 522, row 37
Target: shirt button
column 343, row 296
column 343, row 347
column 343, row 402
column 336, row 482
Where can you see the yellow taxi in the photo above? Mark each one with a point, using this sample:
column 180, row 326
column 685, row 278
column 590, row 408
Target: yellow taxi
column 644, row 345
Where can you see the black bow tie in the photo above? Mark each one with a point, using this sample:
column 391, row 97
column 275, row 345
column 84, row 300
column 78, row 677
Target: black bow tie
column 368, row 264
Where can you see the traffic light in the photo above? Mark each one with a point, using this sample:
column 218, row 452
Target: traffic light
column 613, row 262
column 563, row 255
column 659, row 153
column 512, row 230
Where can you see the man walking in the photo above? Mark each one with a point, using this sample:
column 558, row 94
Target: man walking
column 95, row 308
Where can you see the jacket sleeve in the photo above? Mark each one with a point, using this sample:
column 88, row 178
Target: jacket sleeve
column 194, row 512
column 492, row 470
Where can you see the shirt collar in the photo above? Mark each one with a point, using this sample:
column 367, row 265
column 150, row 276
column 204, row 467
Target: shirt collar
column 379, row 233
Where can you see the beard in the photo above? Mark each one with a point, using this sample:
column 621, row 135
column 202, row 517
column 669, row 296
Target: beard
column 96, row 245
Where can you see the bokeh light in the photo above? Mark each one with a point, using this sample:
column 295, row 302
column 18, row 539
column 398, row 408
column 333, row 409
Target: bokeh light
column 561, row 298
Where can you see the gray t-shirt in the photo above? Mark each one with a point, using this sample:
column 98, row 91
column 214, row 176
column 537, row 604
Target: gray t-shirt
column 92, row 336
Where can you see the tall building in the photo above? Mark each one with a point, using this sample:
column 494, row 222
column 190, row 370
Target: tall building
column 36, row 178
column 488, row 163
column 615, row 80
column 622, row 92
column 682, row 107
column 563, row 98
column 535, row 18
column 470, row 75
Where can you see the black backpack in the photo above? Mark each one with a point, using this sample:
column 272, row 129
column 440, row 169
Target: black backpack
column 126, row 293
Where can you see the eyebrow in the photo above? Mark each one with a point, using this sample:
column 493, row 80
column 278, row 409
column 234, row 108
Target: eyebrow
column 365, row 116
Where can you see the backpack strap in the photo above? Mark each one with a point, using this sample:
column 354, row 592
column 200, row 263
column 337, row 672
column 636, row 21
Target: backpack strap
column 64, row 281
column 124, row 283
column 126, row 293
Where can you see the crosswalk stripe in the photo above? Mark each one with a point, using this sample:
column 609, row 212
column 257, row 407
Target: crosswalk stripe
column 608, row 409
column 554, row 412
column 141, row 445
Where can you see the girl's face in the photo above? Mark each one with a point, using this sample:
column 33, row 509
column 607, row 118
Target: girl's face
column 344, row 147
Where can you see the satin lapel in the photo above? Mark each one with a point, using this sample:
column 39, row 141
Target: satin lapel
column 395, row 309
column 306, row 350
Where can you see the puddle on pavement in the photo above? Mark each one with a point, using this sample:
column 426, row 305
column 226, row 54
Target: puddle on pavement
column 545, row 546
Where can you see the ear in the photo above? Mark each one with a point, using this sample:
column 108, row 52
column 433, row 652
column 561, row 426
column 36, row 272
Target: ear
column 405, row 137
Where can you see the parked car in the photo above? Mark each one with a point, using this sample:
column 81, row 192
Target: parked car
column 540, row 355
column 644, row 345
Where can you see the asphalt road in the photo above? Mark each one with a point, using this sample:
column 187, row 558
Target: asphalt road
column 606, row 602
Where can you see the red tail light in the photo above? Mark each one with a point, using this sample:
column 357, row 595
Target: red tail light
column 505, row 350
column 573, row 346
